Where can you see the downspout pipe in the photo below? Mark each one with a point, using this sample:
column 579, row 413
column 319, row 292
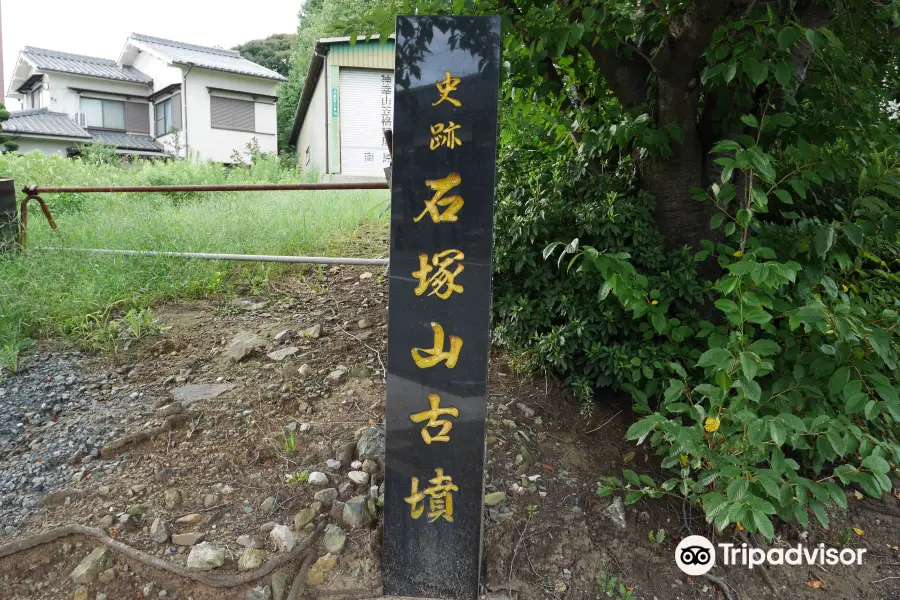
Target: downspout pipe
column 184, row 109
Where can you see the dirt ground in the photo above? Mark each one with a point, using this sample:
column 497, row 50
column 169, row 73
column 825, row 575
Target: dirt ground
column 550, row 537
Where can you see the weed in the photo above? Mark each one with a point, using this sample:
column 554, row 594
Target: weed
column 531, row 510
column 289, row 443
column 11, row 352
column 657, row 538
column 296, row 478
column 95, row 332
column 140, row 323
column 613, row 588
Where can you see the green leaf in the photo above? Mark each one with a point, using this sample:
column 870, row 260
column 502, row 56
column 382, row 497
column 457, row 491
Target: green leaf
column 854, row 234
column 730, row 72
column 638, row 431
column 784, row 196
column 725, row 146
column 778, row 432
column 632, row 497
column 824, row 239
column 784, row 73
column 713, row 357
column 458, row 6
column 737, row 489
column 750, row 121
column 749, row 364
column 799, row 187
column 575, row 33
column 765, row 347
column 875, row 464
column 838, row 380
column 604, row 491
column 658, row 320
column 763, row 525
column 787, row 37
column 631, row 477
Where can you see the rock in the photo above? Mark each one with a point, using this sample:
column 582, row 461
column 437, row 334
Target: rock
column 305, row 370
column 160, row 531
column 283, row 336
column 107, row 576
column 205, row 557
column 251, row 541
column 267, row 527
column 336, row 376
column 280, row 355
column 337, row 510
column 259, row 593
column 243, row 345
column 314, row 332
column 359, row 372
column 267, row 505
column 173, row 408
column 281, row 584
column 346, row 452
column 283, row 538
column 107, row 521
column 307, row 515
column 326, row 496
column 316, row 575
column 252, row 558
column 366, row 275
column 615, row 512
column 210, row 500
column 188, row 539
column 370, row 466
column 190, row 394
column 102, row 596
column 527, row 456
column 103, row 491
column 334, row 539
column 90, row 566
column 358, row 477
column 191, row 519
column 526, row 410
column 371, row 445
column 171, row 499
column 494, row 498
column 333, row 464
column 138, row 510
column 80, row 594
column 364, row 323
column 356, row 465
column 317, row 478
column 356, row 512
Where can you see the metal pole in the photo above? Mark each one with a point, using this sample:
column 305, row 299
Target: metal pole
column 250, row 187
column 320, row 260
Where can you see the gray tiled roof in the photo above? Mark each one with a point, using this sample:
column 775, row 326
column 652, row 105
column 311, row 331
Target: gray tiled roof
column 217, row 59
column 43, row 122
column 77, row 64
column 127, row 141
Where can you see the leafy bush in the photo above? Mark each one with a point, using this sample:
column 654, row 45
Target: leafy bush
column 560, row 319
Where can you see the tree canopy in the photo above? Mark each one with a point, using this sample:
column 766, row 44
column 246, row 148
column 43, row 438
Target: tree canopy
column 273, row 52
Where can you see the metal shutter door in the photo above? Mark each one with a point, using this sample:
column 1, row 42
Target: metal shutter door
column 366, row 101
column 137, row 117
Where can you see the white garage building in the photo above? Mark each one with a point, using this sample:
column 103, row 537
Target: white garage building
column 346, row 104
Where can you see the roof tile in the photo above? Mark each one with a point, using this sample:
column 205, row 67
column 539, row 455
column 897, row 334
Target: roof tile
column 78, row 64
column 217, row 59
column 43, row 122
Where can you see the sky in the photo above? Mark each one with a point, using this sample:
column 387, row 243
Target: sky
column 100, row 27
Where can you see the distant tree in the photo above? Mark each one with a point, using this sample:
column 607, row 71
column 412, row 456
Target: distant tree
column 8, row 145
column 273, row 52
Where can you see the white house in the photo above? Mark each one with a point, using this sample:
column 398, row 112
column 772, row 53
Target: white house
column 346, row 104
column 160, row 97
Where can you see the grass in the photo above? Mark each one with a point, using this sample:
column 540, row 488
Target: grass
column 44, row 293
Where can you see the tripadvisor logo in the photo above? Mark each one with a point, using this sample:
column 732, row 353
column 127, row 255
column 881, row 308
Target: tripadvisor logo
column 696, row 555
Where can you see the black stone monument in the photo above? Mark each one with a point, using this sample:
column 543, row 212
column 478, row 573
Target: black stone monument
column 442, row 207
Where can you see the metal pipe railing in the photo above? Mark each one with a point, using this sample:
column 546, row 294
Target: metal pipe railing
column 321, row 260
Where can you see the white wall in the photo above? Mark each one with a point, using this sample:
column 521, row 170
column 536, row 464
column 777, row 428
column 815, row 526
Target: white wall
column 64, row 100
column 312, row 131
column 218, row 144
column 162, row 73
column 48, row 147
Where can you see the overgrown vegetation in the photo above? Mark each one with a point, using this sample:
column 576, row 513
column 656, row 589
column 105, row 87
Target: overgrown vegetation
column 716, row 187
column 96, row 299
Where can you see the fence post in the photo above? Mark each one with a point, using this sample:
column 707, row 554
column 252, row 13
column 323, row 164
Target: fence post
column 9, row 230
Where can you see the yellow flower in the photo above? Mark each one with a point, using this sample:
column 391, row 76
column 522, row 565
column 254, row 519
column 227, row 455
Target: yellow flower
column 738, row 253
column 739, row 526
column 712, row 424
column 684, row 459
column 845, row 288
column 655, row 302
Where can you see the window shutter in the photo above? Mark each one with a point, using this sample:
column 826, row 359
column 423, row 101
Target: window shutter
column 176, row 111
column 221, row 110
column 229, row 113
column 244, row 115
column 137, row 117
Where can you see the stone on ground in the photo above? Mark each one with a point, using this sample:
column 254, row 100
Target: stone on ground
column 356, row 512
column 171, row 498
column 260, row 593
column 251, row 541
column 267, row 505
column 317, row 478
column 188, row 539
column 191, row 519
column 370, row 466
column 190, row 394
column 252, row 558
column 80, row 594
column 90, row 566
column 205, row 557
column 494, row 498
column 326, row 496
column 615, row 512
column 334, row 539
column 160, row 531
column 371, row 444
column 358, row 477
column 243, row 345
column 307, row 515
column 280, row 355
column 281, row 585
column 316, row 575
column 314, row 332
column 283, row 538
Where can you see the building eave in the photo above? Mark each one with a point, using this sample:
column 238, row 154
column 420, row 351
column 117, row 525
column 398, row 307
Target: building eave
column 309, row 86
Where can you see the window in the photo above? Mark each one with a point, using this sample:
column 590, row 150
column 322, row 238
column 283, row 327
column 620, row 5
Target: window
column 163, row 117
column 230, row 113
column 108, row 114
column 35, row 97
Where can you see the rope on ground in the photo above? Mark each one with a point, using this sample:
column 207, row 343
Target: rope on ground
column 210, row 579
column 720, row 583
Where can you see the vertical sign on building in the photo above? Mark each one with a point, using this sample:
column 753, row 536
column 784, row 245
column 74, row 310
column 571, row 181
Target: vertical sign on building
column 444, row 150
